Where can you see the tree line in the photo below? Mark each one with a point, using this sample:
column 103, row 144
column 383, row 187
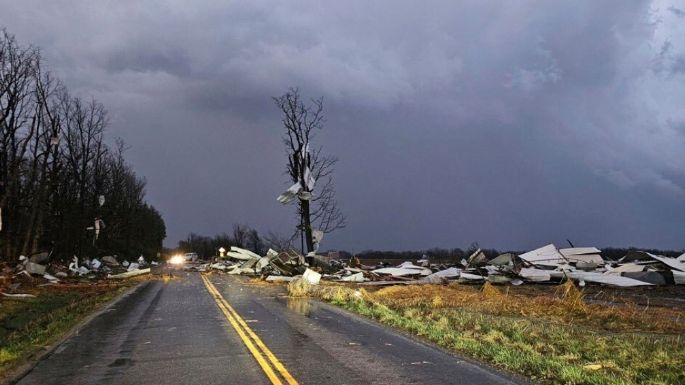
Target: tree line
column 457, row 254
column 242, row 236
column 62, row 188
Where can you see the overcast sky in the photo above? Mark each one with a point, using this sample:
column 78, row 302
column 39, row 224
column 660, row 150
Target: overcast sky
column 513, row 124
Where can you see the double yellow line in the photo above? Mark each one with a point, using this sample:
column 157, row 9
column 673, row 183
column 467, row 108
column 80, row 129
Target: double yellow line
column 266, row 359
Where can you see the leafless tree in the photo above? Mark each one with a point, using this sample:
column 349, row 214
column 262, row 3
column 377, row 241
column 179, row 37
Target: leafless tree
column 317, row 207
column 54, row 164
column 241, row 234
column 279, row 242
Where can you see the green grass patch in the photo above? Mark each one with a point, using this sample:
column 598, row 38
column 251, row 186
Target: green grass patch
column 548, row 350
column 29, row 325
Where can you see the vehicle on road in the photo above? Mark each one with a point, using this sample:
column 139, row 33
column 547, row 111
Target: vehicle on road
column 180, row 259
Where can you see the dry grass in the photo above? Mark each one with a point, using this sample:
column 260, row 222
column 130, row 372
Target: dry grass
column 28, row 325
column 563, row 304
column 551, row 336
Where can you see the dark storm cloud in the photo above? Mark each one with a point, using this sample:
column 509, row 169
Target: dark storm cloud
column 677, row 11
column 511, row 123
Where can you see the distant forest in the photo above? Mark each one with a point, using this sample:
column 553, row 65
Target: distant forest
column 246, row 237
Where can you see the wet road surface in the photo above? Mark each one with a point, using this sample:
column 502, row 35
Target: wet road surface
column 177, row 333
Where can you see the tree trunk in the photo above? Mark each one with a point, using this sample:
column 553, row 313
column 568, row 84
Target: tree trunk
column 306, row 221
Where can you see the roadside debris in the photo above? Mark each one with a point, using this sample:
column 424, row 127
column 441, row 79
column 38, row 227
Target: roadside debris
column 40, row 270
column 18, row 295
column 130, row 274
column 547, row 264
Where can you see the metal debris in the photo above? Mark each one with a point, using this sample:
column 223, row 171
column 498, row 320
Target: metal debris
column 543, row 265
column 130, row 274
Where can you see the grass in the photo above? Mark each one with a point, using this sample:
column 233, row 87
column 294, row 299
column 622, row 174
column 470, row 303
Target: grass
column 29, row 325
column 551, row 337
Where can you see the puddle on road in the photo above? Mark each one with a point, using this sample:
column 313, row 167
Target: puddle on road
column 300, row 305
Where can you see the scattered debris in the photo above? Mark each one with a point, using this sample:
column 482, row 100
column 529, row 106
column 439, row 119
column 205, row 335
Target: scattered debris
column 543, row 265
column 41, row 269
column 34, row 268
column 130, row 274
column 18, row 295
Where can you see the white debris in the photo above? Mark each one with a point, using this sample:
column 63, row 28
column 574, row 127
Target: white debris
column 311, row 276
column 50, row 278
column 290, row 194
column 34, row 268
column 585, row 255
column 278, row 278
column 535, row 275
column 357, row 277
column 544, row 256
column 18, row 295
column 471, row 277
column 129, row 274
column 242, row 254
column 219, row 266
column 679, row 277
column 262, row 263
column 607, row 279
column 673, row 263
column 441, row 275
column 95, row 264
column 401, row 272
column 309, row 179
column 625, row 268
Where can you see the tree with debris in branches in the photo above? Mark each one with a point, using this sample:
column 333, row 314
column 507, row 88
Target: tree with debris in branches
column 56, row 171
column 309, row 169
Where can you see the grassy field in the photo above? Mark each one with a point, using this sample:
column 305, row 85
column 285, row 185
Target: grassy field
column 29, row 325
column 551, row 336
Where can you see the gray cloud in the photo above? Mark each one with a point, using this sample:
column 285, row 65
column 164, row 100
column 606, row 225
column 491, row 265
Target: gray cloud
column 508, row 123
column 677, row 11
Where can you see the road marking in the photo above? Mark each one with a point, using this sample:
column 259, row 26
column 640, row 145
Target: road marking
column 244, row 331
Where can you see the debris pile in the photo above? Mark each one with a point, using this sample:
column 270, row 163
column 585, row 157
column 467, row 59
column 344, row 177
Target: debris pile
column 547, row 264
column 580, row 264
column 38, row 269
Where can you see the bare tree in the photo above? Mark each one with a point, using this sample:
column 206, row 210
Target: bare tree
column 54, row 165
column 278, row 242
column 240, row 235
column 307, row 167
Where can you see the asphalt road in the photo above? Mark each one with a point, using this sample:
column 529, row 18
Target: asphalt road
column 178, row 332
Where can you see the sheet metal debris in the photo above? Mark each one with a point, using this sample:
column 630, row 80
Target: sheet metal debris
column 40, row 269
column 547, row 264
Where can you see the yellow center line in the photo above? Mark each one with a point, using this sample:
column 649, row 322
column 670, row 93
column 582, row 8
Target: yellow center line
column 242, row 329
